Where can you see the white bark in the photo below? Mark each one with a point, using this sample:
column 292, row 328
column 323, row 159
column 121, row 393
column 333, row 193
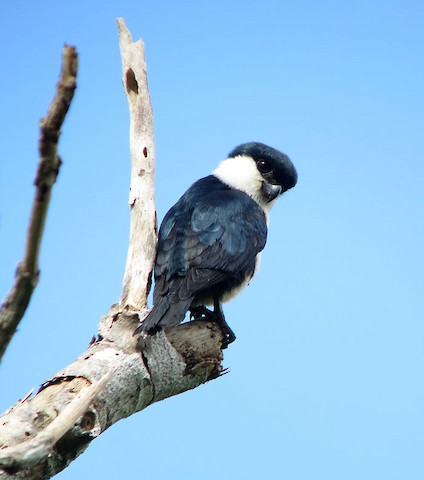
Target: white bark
column 42, row 435
column 142, row 245
column 119, row 374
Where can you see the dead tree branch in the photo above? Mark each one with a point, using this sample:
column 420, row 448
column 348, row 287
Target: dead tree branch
column 41, row 436
column 142, row 245
column 16, row 302
column 118, row 374
column 31, row 452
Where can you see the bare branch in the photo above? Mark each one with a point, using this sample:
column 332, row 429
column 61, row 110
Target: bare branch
column 142, row 245
column 29, row 453
column 57, row 425
column 16, row 302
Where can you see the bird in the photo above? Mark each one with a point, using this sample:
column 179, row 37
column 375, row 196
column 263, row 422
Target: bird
column 210, row 242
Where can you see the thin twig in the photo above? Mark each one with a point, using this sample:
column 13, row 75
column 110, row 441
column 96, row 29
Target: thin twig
column 15, row 304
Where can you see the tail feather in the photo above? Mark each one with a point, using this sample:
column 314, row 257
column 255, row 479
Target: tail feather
column 165, row 314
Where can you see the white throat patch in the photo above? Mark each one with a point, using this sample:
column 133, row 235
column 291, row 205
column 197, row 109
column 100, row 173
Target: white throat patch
column 241, row 173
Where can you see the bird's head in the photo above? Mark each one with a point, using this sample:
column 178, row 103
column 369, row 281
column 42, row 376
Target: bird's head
column 261, row 171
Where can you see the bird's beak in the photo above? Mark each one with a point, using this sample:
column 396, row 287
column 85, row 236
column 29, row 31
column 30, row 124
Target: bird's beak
column 271, row 191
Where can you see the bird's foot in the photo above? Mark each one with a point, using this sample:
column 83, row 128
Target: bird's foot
column 202, row 313
column 229, row 336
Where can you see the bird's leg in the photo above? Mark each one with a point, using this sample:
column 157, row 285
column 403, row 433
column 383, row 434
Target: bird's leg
column 229, row 335
column 200, row 312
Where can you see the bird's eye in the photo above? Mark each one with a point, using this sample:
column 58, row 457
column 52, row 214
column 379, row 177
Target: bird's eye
column 263, row 166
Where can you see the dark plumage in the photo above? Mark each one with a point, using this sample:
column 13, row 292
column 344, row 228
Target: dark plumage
column 210, row 239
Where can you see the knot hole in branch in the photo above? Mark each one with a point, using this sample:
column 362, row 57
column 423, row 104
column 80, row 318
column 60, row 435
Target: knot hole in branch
column 131, row 82
column 88, row 421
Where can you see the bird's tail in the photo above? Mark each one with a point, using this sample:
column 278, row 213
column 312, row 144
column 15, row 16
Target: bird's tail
column 164, row 314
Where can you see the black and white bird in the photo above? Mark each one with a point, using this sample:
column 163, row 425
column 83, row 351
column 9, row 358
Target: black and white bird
column 211, row 240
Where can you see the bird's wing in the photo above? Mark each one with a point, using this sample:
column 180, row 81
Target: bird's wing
column 208, row 239
column 207, row 236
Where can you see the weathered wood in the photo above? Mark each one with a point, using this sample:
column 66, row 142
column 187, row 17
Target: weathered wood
column 142, row 244
column 118, row 375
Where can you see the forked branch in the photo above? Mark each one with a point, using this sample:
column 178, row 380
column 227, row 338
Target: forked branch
column 117, row 375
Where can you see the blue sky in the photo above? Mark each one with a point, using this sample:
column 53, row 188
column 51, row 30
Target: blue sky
column 326, row 373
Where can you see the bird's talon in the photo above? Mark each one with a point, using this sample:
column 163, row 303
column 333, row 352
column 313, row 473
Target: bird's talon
column 201, row 313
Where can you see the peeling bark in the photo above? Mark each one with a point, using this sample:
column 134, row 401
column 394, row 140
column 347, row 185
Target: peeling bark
column 124, row 373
